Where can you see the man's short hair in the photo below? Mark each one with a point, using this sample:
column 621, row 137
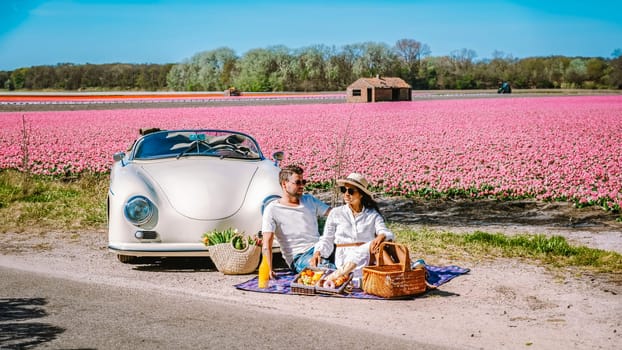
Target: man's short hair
column 288, row 171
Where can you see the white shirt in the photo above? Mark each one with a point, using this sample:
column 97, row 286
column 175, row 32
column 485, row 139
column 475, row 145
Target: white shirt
column 295, row 228
column 343, row 227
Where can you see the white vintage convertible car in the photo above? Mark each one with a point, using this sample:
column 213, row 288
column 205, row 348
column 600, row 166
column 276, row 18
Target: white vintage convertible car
column 172, row 186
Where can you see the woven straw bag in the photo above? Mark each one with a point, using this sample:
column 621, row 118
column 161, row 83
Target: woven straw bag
column 393, row 280
column 231, row 261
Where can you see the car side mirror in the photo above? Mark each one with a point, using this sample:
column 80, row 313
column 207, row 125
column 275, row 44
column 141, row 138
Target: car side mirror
column 117, row 157
column 278, row 157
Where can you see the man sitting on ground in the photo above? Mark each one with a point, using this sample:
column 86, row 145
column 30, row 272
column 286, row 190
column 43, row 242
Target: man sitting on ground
column 293, row 220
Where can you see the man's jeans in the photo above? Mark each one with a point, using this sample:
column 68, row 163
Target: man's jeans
column 302, row 261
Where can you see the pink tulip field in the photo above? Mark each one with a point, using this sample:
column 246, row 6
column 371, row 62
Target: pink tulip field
column 549, row 148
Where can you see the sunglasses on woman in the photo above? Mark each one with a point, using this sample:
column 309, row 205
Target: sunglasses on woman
column 350, row 190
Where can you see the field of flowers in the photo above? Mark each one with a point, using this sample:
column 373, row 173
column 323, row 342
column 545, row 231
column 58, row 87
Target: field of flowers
column 551, row 148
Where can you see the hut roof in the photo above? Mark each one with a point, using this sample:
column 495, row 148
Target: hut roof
column 381, row 82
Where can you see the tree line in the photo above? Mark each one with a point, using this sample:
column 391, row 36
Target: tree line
column 72, row 77
column 326, row 68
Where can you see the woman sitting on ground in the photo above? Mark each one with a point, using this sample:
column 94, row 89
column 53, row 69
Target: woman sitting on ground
column 356, row 229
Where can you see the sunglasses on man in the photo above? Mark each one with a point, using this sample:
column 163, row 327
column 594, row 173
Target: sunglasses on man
column 299, row 182
column 350, row 190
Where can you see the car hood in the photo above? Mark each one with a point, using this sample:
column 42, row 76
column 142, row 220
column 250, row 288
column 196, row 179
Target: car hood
column 203, row 189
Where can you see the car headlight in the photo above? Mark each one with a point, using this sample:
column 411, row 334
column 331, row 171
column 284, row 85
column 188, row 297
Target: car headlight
column 138, row 210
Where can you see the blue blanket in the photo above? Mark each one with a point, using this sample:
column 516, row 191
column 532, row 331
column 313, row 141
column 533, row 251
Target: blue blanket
column 435, row 277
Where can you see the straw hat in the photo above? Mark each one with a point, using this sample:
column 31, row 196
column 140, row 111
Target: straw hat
column 357, row 180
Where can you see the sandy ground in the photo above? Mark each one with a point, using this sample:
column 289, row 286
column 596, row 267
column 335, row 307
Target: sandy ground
column 501, row 304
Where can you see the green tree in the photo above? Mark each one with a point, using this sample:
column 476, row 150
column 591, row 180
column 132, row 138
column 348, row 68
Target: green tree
column 206, row 71
column 310, row 68
column 179, row 77
column 410, row 52
column 615, row 74
column 596, row 73
column 5, row 77
column 281, row 69
column 490, row 73
column 531, row 73
column 440, row 72
column 94, row 76
column 264, row 69
column 576, row 73
column 69, row 76
column 40, row 77
column 152, row 77
column 371, row 59
column 555, row 68
column 18, row 77
column 463, row 68
column 214, row 68
column 339, row 70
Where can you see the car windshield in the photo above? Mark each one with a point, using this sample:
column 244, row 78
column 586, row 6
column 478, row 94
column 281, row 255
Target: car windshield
column 183, row 143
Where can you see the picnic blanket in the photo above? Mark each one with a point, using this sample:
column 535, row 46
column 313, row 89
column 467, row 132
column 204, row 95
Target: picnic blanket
column 435, row 276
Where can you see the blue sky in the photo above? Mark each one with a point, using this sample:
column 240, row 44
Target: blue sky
column 47, row 32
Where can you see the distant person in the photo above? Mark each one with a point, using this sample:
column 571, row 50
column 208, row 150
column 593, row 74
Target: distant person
column 292, row 219
column 505, row 88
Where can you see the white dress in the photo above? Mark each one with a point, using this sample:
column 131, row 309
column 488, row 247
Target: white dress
column 342, row 227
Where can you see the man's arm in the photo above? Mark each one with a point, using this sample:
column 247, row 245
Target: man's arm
column 266, row 250
column 320, row 208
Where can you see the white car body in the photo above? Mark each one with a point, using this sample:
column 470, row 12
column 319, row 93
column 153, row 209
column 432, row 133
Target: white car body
column 183, row 192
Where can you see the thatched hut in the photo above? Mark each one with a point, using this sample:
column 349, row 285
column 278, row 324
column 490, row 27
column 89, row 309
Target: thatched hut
column 379, row 89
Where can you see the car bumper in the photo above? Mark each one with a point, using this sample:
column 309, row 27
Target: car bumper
column 164, row 250
column 160, row 250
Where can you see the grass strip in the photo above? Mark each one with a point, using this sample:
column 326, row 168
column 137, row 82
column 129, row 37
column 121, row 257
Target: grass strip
column 548, row 250
column 33, row 202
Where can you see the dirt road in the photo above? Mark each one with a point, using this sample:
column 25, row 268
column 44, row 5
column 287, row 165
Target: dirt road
column 501, row 304
column 43, row 311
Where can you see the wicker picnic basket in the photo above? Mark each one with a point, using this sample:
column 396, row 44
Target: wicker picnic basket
column 231, row 261
column 393, row 280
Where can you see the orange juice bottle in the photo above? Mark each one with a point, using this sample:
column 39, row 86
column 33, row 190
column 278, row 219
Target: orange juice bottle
column 264, row 273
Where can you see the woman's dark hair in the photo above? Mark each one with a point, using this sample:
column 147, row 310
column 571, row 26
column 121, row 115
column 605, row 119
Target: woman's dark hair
column 369, row 202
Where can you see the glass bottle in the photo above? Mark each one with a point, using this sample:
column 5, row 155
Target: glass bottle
column 264, row 273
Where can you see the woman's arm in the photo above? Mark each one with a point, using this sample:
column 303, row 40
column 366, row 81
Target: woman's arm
column 381, row 228
column 324, row 247
column 382, row 233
